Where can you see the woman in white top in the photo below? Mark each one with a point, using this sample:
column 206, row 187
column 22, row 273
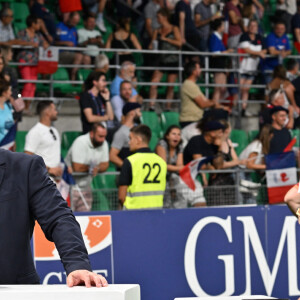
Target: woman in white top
column 255, row 151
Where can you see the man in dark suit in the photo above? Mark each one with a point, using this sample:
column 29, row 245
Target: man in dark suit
column 27, row 194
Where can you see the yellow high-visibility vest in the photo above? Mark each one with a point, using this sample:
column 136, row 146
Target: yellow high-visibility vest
column 148, row 185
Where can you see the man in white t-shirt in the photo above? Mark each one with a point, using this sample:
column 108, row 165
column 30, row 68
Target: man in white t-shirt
column 88, row 154
column 43, row 139
column 90, row 38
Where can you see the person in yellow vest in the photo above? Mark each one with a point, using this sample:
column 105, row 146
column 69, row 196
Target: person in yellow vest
column 143, row 175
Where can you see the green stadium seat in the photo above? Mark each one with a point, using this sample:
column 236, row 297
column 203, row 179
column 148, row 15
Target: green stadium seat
column 151, row 119
column 20, row 140
column 67, row 138
column 153, row 142
column 18, row 26
column 240, row 138
column 169, row 118
column 21, row 12
column 63, row 75
column 252, row 135
column 83, row 74
column 102, row 186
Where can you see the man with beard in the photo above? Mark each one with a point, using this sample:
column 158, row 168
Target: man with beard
column 43, row 138
column 88, row 154
column 120, row 144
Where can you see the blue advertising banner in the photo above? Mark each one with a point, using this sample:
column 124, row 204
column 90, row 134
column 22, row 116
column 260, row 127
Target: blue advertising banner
column 189, row 252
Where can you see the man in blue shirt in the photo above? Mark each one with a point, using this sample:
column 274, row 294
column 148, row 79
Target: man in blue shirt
column 127, row 72
column 67, row 36
column 277, row 43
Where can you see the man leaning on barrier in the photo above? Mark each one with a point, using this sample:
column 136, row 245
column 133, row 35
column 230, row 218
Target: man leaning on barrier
column 27, row 194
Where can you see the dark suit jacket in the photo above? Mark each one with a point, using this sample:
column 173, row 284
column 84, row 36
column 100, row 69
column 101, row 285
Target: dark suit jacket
column 27, row 194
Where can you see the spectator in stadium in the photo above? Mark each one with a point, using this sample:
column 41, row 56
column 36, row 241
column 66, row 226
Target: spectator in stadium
column 293, row 93
column 282, row 136
column 143, row 175
column 6, row 115
column 67, row 36
column 151, row 21
column 184, row 20
column 254, row 153
column 168, row 38
column 193, row 102
column 280, row 81
column 236, row 26
column 43, row 139
column 276, row 98
column 171, row 151
column 225, row 195
column 96, row 7
column 94, row 102
column 208, row 144
column 10, row 74
column 67, row 7
column 218, row 62
column 118, row 101
column 7, row 36
column 127, row 72
column 203, row 17
column 295, row 27
column 286, row 9
column 189, row 131
column 123, row 38
column 30, row 56
column 292, row 69
column 277, row 43
column 90, row 38
column 88, row 154
column 252, row 43
column 101, row 63
column 120, row 145
column 48, row 26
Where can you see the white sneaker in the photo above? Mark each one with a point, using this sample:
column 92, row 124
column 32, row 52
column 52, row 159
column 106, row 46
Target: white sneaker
column 100, row 24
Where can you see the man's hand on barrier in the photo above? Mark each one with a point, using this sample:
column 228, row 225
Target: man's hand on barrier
column 87, row 278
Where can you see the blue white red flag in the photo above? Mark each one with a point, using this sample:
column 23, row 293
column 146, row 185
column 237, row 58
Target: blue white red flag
column 8, row 141
column 281, row 175
column 190, row 171
column 64, row 186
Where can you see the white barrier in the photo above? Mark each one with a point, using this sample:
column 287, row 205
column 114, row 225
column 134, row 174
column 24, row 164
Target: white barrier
column 258, row 297
column 62, row 292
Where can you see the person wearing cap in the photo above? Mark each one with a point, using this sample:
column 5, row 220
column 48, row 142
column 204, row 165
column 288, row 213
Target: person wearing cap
column 88, row 154
column 143, row 175
column 281, row 135
column 120, row 145
column 277, row 98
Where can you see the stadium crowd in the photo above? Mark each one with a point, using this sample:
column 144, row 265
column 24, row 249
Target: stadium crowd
column 111, row 112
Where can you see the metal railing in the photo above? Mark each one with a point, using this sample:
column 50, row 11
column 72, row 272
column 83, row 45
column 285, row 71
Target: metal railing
column 242, row 191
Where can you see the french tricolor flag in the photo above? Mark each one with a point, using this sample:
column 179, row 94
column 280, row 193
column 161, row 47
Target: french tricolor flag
column 64, row 186
column 281, row 175
column 8, row 141
column 190, row 171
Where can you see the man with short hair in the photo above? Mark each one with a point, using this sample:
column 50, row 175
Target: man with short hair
column 67, row 36
column 90, row 38
column 193, row 102
column 276, row 98
column 143, row 175
column 118, row 101
column 127, row 72
column 120, row 145
column 277, row 43
column 43, row 138
column 281, row 135
column 101, row 63
column 88, row 154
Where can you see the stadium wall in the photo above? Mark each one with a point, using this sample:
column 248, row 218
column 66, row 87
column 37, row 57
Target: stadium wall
column 220, row 251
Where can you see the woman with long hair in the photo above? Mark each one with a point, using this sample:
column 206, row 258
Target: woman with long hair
column 170, row 149
column 168, row 38
column 123, row 38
